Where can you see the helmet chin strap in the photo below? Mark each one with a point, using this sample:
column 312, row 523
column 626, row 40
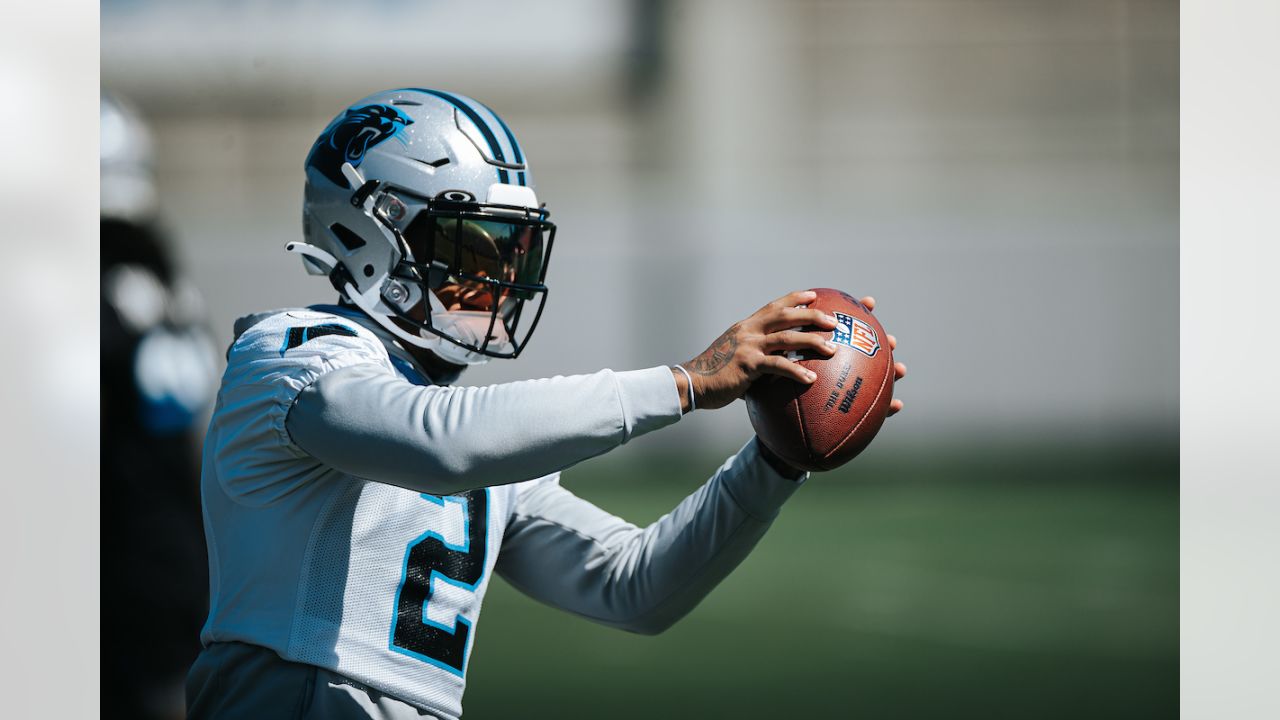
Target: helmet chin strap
column 368, row 302
column 471, row 326
column 371, row 304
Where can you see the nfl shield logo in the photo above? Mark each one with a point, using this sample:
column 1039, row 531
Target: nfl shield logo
column 856, row 334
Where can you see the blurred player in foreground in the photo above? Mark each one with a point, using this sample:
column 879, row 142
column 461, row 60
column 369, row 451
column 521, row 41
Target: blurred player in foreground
column 158, row 376
column 356, row 505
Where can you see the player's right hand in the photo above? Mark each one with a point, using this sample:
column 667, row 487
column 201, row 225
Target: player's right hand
column 755, row 346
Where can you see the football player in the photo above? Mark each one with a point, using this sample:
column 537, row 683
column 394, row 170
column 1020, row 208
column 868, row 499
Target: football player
column 357, row 502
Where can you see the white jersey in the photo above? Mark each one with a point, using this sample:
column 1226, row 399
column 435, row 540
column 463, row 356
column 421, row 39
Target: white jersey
column 355, row 513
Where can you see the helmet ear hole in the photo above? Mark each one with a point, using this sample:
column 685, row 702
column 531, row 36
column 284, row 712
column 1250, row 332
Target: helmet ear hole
column 349, row 239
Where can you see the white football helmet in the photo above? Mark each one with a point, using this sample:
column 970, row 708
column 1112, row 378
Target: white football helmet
column 419, row 206
column 125, row 155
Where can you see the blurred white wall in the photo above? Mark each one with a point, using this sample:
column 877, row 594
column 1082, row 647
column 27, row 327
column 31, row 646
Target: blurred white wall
column 1001, row 174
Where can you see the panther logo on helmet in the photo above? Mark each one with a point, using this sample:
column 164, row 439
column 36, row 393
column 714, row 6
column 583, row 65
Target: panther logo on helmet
column 351, row 135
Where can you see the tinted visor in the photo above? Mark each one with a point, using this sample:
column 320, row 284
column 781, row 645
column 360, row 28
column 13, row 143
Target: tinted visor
column 503, row 251
column 475, row 258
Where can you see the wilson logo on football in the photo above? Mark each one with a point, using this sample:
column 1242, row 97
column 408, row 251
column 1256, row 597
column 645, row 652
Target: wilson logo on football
column 855, row 334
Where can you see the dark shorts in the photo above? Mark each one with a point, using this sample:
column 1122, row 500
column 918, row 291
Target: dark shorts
column 237, row 680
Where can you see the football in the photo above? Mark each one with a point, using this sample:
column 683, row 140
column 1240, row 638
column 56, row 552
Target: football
column 826, row 424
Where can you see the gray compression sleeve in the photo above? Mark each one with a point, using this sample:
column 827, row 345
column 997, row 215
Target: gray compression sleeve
column 568, row 553
column 366, row 422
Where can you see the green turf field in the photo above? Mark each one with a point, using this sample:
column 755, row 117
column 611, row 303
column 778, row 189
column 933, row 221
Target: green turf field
column 1020, row 585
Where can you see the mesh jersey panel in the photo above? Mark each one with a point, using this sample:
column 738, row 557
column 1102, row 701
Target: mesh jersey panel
column 315, row 564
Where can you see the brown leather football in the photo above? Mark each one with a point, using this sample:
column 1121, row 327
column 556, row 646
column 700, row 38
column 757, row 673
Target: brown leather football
column 824, row 425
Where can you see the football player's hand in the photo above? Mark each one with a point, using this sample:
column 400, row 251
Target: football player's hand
column 899, row 370
column 754, row 347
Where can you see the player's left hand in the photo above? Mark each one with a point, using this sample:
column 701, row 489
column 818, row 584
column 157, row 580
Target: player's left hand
column 899, row 369
column 754, row 347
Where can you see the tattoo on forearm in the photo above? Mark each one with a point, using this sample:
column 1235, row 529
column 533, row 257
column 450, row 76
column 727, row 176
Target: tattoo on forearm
column 714, row 358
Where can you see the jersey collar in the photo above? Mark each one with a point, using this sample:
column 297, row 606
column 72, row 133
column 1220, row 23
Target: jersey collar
column 404, row 362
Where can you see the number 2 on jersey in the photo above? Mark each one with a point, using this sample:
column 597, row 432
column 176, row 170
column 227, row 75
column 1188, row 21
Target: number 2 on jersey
column 428, row 560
